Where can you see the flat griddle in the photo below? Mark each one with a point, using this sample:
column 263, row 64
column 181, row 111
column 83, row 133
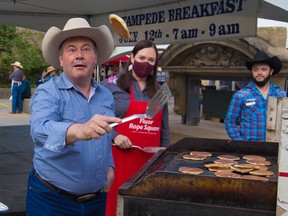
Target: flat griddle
column 160, row 181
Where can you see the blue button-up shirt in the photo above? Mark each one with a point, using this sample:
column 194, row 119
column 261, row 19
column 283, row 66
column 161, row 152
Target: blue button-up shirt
column 79, row 168
column 249, row 108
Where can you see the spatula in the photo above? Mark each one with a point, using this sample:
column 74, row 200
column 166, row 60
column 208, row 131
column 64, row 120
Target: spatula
column 149, row 149
column 155, row 104
column 3, row 207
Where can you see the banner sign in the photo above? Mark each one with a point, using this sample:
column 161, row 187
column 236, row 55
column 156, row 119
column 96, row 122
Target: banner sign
column 191, row 20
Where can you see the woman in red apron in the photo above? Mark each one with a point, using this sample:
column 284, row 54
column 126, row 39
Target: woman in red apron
column 132, row 91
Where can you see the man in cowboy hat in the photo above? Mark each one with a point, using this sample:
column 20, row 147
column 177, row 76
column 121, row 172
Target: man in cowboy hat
column 51, row 72
column 248, row 106
column 70, row 116
column 16, row 78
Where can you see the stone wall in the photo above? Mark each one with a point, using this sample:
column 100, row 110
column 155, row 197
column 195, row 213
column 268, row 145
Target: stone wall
column 5, row 93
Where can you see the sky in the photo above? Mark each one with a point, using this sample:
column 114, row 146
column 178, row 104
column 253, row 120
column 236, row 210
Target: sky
column 279, row 3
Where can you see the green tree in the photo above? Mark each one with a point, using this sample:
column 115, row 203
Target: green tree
column 27, row 49
column 7, row 35
column 23, row 45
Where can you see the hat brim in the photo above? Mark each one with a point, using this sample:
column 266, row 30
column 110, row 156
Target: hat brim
column 20, row 66
column 54, row 37
column 274, row 62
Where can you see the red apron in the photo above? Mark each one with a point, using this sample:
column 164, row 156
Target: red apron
column 141, row 132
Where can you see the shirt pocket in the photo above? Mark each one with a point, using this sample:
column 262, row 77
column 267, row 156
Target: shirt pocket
column 252, row 112
column 73, row 114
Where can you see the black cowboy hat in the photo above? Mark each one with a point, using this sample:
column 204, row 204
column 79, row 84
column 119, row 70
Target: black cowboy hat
column 261, row 57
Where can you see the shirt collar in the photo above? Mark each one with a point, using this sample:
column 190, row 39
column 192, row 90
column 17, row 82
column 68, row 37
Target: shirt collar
column 252, row 85
column 64, row 83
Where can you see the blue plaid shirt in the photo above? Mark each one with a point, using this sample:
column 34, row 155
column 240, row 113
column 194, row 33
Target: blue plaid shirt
column 249, row 107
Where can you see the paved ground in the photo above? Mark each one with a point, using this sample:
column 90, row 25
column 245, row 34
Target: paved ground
column 205, row 129
column 16, row 151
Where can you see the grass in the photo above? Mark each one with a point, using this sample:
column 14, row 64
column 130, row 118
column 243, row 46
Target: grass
column 5, row 85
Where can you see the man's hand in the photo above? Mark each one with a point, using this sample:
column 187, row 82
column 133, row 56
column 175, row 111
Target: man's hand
column 96, row 127
column 122, row 142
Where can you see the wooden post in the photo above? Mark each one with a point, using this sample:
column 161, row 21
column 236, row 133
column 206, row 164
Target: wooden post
column 277, row 131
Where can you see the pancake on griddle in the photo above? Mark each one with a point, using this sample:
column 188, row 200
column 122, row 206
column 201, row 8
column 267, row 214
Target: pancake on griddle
column 208, row 165
column 241, row 170
column 227, row 174
column 260, row 167
column 201, row 153
column 228, row 157
column 217, row 167
column 222, row 161
column 245, row 166
column 191, row 170
column 259, row 163
column 193, row 157
column 262, row 173
column 254, row 157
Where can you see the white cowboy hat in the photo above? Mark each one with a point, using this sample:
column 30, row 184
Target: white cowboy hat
column 77, row 27
column 50, row 69
column 17, row 64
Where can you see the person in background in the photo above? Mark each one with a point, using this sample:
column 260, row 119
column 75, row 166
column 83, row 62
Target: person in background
column 25, row 88
column 161, row 76
column 103, row 73
column 51, row 72
column 16, row 81
column 41, row 78
column 132, row 91
column 110, row 72
column 248, row 106
column 70, row 116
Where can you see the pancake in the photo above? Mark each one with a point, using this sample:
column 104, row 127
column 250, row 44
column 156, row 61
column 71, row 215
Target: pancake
column 119, row 26
column 208, row 165
column 191, row 170
column 193, row 157
column 201, row 153
column 260, row 167
column 261, row 173
column 228, row 157
column 241, row 170
column 222, row 161
column 245, row 166
column 254, row 157
column 259, row 163
column 217, row 167
column 227, row 174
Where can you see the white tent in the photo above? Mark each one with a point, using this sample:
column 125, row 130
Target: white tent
column 42, row 14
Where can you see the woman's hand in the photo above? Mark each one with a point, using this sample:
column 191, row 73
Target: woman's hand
column 122, row 142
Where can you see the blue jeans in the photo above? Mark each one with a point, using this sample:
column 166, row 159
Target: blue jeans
column 16, row 98
column 40, row 200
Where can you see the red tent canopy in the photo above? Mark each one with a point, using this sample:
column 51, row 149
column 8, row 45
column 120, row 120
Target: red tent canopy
column 116, row 61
